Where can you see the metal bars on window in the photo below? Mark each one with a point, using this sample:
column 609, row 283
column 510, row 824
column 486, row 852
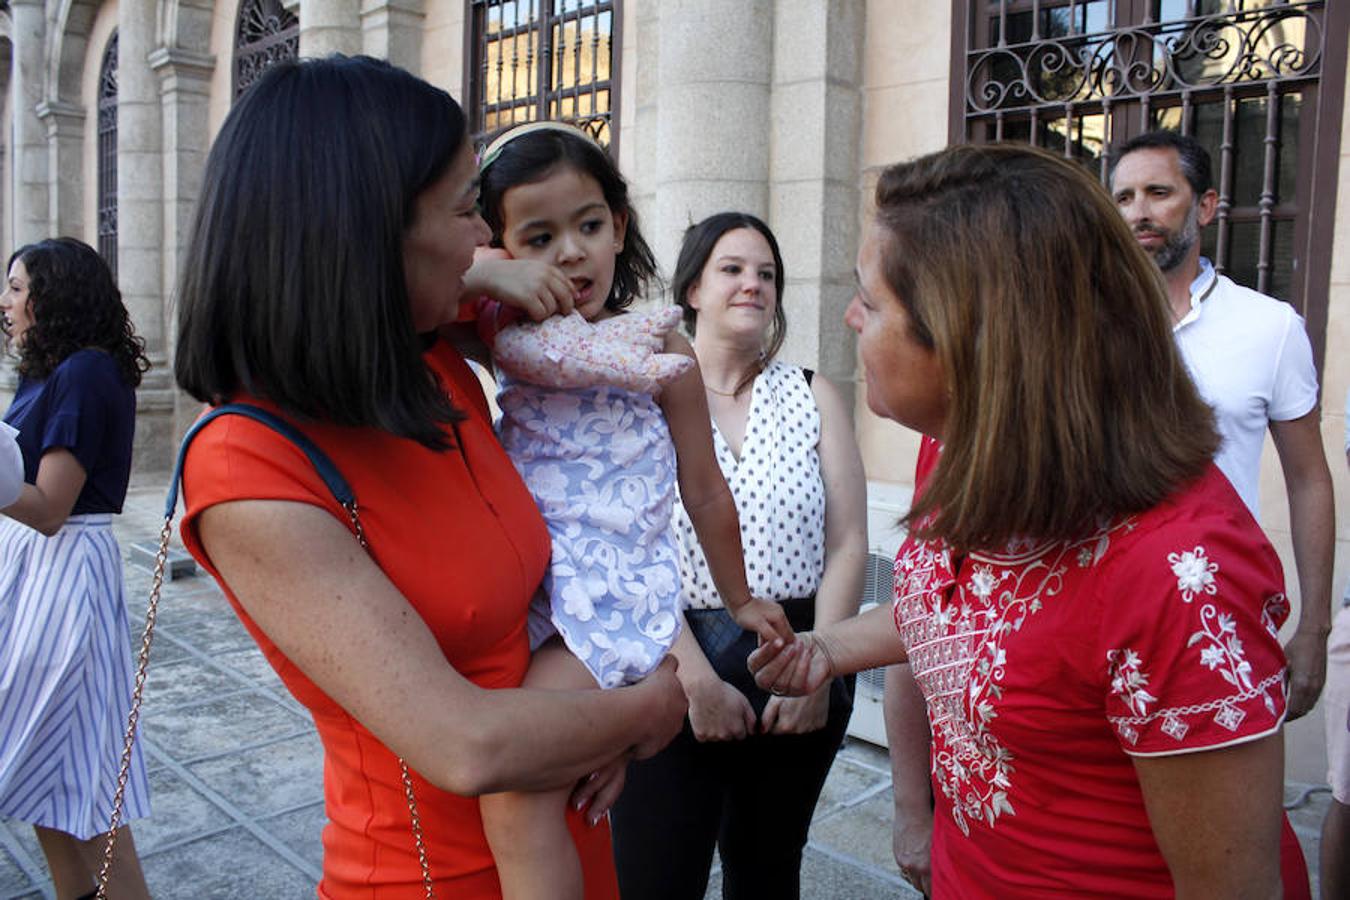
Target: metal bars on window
column 1243, row 76
column 265, row 34
column 543, row 59
column 107, row 155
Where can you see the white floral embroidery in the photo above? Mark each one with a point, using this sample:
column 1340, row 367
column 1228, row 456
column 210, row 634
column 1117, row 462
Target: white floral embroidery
column 1230, row 717
column 1128, row 681
column 1273, row 613
column 983, row 582
column 1195, row 573
column 1174, row 728
column 1224, row 652
column 955, row 634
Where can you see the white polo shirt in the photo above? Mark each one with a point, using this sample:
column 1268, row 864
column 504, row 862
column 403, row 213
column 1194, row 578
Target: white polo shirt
column 1250, row 357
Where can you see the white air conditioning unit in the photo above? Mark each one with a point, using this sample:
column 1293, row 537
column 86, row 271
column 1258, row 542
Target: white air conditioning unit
column 868, row 723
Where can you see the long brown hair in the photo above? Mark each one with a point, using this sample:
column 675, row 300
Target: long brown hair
column 1069, row 403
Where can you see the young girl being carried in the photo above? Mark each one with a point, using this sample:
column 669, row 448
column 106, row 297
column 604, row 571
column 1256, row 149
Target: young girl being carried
column 602, row 462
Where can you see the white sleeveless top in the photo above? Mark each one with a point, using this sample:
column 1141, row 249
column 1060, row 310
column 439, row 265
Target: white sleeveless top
column 779, row 494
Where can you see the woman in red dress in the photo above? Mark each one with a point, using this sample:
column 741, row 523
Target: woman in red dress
column 1089, row 609
column 334, row 235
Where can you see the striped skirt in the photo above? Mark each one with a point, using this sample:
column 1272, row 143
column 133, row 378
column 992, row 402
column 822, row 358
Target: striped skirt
column 65, row 677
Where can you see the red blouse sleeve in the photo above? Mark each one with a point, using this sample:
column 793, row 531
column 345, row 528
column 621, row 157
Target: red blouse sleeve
column 1188, row 639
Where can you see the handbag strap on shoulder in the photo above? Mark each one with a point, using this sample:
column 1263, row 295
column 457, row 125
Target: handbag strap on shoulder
column 326, row 469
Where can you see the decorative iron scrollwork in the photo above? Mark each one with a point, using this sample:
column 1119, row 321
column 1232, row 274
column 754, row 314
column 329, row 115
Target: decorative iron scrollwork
column 267, row 34
column 1275, row 43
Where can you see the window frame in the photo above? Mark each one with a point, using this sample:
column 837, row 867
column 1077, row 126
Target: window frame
column 1319, row 141
column 476, row 106
column 106, row 186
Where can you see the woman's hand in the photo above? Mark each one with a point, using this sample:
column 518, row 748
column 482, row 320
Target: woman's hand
column 912, row 844
column 765, row 618
column 668, row 707
column 794, row 669
column 535, row 288
column 600, row 789
column 797, row 715
column 719, row 712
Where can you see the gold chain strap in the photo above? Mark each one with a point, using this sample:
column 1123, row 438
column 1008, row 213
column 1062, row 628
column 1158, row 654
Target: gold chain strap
column 133, row 719
column 353, row 514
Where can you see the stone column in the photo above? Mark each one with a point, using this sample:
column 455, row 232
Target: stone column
column 392, row 30
column 32, row 213
column 140, row 222
column 813, row 204
column 184, row 89
column 713, row 57
column 65, row 160
column 330, row 26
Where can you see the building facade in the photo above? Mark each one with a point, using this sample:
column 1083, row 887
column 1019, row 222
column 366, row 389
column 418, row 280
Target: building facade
column 784, row 108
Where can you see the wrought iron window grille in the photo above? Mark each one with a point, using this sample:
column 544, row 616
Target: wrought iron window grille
column 107, row 155
column 528, row 60
column 266, row 34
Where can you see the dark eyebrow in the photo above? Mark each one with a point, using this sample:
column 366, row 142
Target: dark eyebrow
column 731, row 257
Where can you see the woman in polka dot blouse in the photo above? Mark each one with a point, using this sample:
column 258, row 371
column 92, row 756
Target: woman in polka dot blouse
column 745, row 773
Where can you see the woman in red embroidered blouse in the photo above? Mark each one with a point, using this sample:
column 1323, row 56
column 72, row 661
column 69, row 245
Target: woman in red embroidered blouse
column 1090, row 611
column 336, row 227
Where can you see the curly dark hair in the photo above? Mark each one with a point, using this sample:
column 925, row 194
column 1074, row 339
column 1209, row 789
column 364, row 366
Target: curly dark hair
column 75, row 305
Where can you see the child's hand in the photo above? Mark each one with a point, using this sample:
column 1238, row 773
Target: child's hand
column 535, row 288
column 765, row 618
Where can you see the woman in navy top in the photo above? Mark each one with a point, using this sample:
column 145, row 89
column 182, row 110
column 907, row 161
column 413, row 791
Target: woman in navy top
column 65, row 662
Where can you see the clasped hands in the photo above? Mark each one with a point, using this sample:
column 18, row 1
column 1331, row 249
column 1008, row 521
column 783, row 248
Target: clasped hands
column 793, row 669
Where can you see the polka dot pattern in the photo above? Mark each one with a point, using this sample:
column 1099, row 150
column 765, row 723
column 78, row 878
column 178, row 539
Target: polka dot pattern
column 779, row 493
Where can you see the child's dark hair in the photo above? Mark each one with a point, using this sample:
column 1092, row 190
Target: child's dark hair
column 538, row 154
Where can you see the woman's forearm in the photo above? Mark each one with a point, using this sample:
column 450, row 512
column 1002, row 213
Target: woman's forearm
column 46, row 505
column 322, row 600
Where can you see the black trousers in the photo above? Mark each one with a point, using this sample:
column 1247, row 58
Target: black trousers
column 752, row 799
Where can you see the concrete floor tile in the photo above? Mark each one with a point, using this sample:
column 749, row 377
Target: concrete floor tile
column 823, row 876
column 218, row 631
column 177, row 813
column 190, row 680
column 301, row 830
column 251, row 664
column 230, row 723
column 13, row 879
column 265, row 780
column 862, row 832
column 846, row 784
column 230, row 866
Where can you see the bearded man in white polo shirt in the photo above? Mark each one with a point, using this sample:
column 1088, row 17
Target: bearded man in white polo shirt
column 1250, row 357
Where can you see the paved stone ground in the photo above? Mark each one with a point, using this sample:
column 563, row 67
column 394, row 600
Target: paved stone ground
column 235, row 770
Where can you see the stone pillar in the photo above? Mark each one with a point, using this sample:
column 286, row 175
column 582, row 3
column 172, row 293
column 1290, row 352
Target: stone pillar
column 712, row 55
column 813, row 203
column 330, row 26
column 65, row 160
column 32, row 213
column 184, row 89
column 392, row 30
column 140, row 223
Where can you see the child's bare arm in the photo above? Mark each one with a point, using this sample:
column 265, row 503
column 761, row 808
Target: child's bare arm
column 709, row 502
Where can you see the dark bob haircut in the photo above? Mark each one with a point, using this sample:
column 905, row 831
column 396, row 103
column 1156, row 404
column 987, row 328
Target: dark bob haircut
column 293, row 287
column 537, row 155
column 697, row 246
column 74, row 305
column 1195, row 162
